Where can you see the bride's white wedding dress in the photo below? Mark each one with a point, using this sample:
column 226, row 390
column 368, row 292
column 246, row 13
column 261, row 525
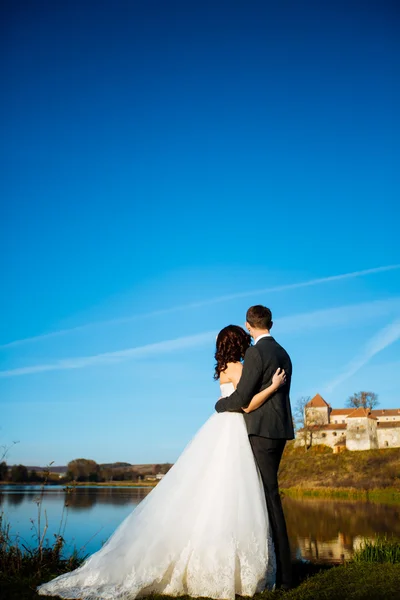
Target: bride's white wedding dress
column 203, row 531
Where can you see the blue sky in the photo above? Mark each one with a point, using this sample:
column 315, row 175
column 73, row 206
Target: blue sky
column 164, row 166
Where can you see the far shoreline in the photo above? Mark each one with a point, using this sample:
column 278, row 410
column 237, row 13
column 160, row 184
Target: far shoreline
column 379, row 495
column 81, row 484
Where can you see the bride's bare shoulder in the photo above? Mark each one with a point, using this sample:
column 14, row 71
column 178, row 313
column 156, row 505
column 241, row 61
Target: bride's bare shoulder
column 232, row 373
column 234, row 367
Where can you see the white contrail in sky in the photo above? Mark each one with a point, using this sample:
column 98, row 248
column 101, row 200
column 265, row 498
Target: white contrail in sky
column 300, row 323
column 199, row 304
column 350, row 314
column 107, row 358
column 384, row 338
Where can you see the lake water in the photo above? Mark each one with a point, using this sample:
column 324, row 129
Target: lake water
column 325, row 530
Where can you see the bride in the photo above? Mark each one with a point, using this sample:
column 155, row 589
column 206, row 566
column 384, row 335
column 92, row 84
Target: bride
column 203, row 531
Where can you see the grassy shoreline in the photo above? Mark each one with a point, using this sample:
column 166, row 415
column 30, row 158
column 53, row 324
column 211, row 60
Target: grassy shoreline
column 149, row 484
column 378, row 495
column 146, row 484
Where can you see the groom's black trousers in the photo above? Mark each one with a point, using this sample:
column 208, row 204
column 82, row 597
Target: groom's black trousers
column 268, row 454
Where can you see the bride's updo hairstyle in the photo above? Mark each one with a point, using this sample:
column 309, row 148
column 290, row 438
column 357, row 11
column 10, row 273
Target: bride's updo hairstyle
column 232, row 343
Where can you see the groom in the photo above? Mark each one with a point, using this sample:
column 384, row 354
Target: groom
column 269, row 426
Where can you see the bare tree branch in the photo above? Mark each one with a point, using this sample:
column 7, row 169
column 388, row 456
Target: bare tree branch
column 363, row 400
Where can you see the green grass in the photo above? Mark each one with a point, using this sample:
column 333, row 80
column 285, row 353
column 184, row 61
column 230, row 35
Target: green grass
column 382, row 496
column 353, row 581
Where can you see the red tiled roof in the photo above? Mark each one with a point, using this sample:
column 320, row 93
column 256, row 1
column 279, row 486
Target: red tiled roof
column 361, row 412
column 389, row 412
column 317, row 402
column 342, row 426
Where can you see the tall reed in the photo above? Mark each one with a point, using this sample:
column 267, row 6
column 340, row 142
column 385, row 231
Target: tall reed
column 381, row 550
column 17, row 555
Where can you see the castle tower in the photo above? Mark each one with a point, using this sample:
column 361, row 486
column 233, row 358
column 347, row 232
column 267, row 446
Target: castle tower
column 317, row 411
column 361, row 431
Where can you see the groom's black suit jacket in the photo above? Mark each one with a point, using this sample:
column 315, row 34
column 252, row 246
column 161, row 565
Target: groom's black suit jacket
column 274, row 418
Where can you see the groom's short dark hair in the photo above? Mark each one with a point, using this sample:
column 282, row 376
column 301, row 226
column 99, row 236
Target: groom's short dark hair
column 259, row 317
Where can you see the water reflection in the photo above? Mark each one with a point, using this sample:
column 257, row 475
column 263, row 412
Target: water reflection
column 16, row 498
column 331, row 530
column 325, row 530
column 86, row 497
column 92, row 513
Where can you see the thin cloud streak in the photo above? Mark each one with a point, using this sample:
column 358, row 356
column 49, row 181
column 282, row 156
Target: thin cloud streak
column 332, row 317
column 384, row 338
column 108, row 358
column 350, row 314
column 192, row 305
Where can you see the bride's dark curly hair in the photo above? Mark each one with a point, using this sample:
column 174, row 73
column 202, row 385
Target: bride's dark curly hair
column 232, row 343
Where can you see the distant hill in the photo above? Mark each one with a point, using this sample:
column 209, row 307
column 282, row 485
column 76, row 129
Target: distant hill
column 115, row 465
column 120, row 466
column 50, row 469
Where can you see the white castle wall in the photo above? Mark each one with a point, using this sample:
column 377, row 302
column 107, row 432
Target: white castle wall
column 330, row 438
column 361, row 434
column 389, row 437
column 317, row 415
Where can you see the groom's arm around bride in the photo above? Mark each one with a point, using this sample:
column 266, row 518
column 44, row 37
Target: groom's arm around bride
column 274, row 418
column 249, row 384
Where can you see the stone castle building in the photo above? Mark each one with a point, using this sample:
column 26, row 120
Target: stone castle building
column 349, row 428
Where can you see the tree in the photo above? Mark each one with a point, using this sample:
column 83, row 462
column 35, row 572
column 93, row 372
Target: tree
column 83, row 469
column 164, row 468
column 19, row 474
column 34, row 477
column 3, row 471
column 106, row 473
column 308, row 432
column 363, row 400
column 134, row 476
